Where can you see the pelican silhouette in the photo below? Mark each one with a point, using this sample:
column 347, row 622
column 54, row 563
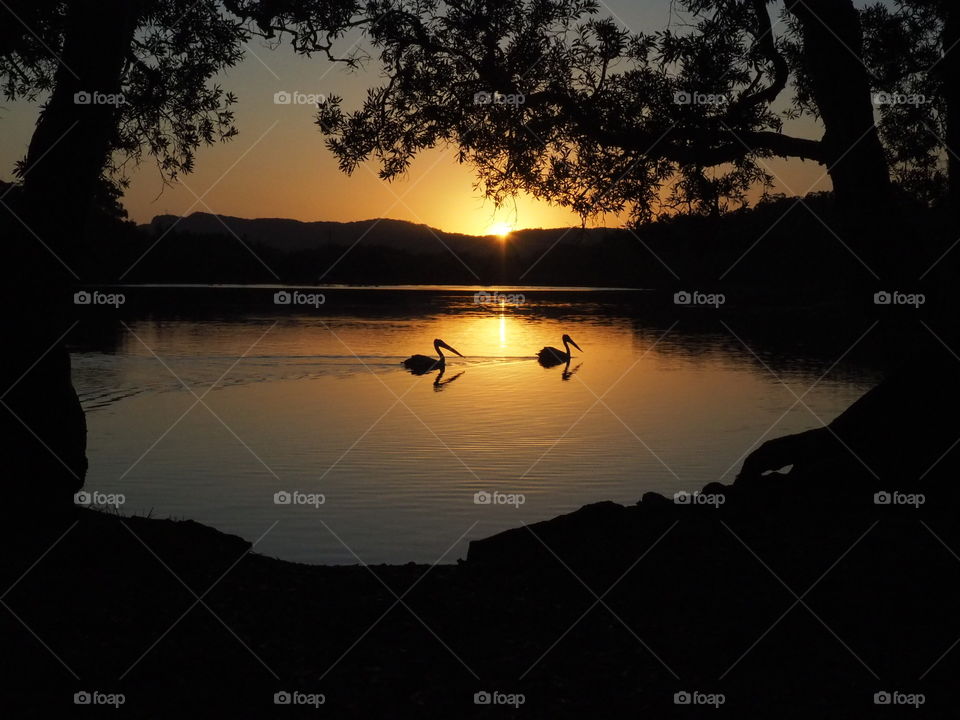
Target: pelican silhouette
column 551, row 356
column 567, row 372
column 421, row 364
column 439, row 383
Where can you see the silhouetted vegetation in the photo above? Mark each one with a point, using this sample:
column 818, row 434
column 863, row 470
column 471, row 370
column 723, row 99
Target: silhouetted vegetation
column 673, row 128
column 789, row 249
column 605, row 119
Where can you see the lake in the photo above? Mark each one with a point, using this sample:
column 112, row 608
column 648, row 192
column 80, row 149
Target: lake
column 223, row 415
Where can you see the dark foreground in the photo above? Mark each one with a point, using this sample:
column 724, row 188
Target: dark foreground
column 803, row 594
column 788, row 600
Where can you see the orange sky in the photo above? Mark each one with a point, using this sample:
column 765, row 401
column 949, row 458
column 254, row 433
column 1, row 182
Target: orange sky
column 278, row 165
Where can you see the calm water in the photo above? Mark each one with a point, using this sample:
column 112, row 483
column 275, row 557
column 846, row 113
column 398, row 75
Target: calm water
column 316, row 401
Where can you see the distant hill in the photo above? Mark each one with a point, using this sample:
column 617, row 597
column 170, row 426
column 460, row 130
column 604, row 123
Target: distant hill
column 747, row 249
column 294, row 235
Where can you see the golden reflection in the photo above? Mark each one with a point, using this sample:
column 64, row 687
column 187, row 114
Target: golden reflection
column 494, row 331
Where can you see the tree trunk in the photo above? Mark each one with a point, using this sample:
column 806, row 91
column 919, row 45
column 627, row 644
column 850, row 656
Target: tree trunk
column 902, row 434
column 951, row 85
column 42, row 422
column 833, row 44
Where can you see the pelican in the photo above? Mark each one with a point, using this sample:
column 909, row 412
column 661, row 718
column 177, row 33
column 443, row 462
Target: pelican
column 420, row 364
column 550, row 356
column 439, row 383
column 567, row 372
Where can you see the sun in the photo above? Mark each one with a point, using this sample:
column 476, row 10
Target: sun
column 500, row 229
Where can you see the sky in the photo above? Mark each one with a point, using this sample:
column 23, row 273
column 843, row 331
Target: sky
column 278, row 165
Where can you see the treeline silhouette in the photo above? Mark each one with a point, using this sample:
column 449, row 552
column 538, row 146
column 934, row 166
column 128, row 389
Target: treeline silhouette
column 799, row 248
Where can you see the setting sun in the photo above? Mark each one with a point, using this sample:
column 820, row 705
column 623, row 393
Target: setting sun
column 501, row 228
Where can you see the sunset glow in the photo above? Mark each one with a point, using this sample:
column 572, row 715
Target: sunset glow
column 501, row 229
column 497, row 299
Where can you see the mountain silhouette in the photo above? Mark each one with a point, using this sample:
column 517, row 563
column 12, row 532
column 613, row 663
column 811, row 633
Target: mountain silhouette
column 289, row 235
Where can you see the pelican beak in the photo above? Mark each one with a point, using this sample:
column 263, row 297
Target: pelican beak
column 444, row 345
column 575, row 345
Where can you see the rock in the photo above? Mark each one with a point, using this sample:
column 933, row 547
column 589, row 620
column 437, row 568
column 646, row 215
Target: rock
column 899, row 435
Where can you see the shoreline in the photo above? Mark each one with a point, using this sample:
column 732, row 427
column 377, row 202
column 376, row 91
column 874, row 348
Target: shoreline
column 621, row 602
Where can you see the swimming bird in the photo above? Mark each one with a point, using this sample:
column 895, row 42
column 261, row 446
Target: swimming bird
column 550, row 356
column 420, row 364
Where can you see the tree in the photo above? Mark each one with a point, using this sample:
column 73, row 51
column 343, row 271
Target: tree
column 541, row 96
column 123, row 78
column 601, row 119
column 544, row 97
column 831, row 60
column 908, row 50
column 949, row 75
